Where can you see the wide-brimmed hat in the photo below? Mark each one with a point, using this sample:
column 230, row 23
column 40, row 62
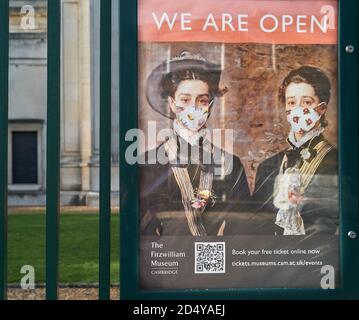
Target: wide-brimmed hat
column 155, row 92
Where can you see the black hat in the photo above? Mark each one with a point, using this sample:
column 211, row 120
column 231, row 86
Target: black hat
column 156, row 92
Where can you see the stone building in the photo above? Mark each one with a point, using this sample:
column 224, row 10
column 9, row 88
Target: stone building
column 79, row 103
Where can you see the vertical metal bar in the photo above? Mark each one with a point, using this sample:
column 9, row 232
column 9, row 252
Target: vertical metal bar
column 348, row 89
column 129, row 200
column 4, row 102
column 53, row 148
column 105, row 151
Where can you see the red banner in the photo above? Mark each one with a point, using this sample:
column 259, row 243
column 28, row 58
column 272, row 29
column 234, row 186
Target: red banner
column 239, row 21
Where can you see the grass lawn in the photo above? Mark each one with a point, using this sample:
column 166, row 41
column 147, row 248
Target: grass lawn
column 78, row 247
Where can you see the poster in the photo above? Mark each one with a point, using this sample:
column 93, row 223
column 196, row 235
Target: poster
column 237, row 144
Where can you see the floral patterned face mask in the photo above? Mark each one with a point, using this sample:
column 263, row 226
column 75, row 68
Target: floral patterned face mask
column 302, row 119
column 193, row 118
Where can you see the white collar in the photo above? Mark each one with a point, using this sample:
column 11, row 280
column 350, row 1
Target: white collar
column 192, row 137
column 310, row 135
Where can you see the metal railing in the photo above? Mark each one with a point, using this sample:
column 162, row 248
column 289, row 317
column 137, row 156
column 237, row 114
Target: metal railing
column 53, row 147
column 4, row 102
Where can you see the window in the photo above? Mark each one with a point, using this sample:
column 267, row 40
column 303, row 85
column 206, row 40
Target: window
column 24, row 157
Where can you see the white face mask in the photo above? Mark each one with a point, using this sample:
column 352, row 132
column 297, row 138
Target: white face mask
column 302, row 119
column 193, row 118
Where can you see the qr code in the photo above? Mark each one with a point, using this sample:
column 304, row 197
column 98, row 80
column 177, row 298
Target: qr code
column 210, row 257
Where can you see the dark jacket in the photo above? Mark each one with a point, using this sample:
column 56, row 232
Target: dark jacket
column 319, row 209
column 162, row 210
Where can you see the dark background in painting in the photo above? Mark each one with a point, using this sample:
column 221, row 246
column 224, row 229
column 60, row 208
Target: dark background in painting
column 253, row 74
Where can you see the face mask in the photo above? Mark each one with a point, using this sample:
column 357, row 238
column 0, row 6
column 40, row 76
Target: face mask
column 302, row 119
column 193, row 118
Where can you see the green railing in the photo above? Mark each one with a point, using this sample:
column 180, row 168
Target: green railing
column 53, row 147
column 4, row 101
